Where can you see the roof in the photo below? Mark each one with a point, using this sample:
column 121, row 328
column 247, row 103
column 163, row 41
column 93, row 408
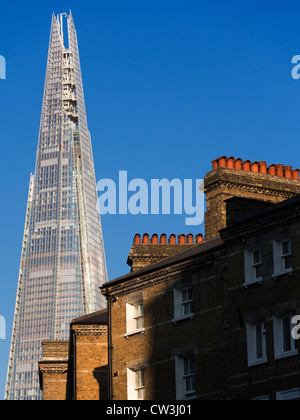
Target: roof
column 186, row 255
column 281, row 206
column 95, row 318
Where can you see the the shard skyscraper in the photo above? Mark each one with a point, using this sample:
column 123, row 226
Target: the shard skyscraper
column 63, row 260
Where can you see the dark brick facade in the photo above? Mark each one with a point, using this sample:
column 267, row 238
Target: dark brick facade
column 207, row 322
column 226, row 182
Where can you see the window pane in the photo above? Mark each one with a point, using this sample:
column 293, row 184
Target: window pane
column 140, row 378
column 286, row 248
column 141, row 394
column 259, row 342
column 189, row 373
column 187, row 308
column 140, row 384
column 286, row 327
column 138, row 310
column 287, row 262
column 139, row 316
column 256, row 257
column 258, row 271
column 189, row 383
column 187, row 298
column 139, row 322
column 187, row 295
column 188, row 365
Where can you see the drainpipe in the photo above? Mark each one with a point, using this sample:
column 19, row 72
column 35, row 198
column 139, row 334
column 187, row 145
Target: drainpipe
column 110, row 348
column 75, row 368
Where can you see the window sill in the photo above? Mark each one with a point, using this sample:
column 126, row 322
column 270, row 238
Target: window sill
column 282, row 273
column 191, row 395
column 139, row 331
column 258, row 362
column 256, row 281
column 287, row 354
column 182, row 318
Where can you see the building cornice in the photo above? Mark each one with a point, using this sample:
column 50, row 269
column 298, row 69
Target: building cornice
column 53, row 367
column 89, row 330
column 165, row 274
column 259, row 224
column 242, row 186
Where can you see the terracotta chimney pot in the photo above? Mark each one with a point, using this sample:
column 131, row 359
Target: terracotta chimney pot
column 295, row 174
column 272, row 169
column 246, row 165
column 215, row 164
column 145, row 238
column 199, row 238
column 222, row 162
column 137, row 239
column 279, row 170
column 254, row 167
column 287, row 171
column 230, row 162
column 163, row 238
column 238, row 164
column 181, row 239
column 263, row 167
column 154, row 238
column 172, row 239
column 190, row 238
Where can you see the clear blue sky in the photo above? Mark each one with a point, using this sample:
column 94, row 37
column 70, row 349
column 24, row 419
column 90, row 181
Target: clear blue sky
column 169, row 86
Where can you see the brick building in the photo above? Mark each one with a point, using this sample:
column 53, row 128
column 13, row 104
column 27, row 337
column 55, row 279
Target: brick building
column 77, row 369
column 199, row 319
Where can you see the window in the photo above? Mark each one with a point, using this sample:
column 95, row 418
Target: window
column 136, row 384
column 286, row 255
column 256, row 344
column 185, row 376
column 183, row 303
column 253, row 266
column 134, row 318
column 140, row 384
column 186, row 301
column 256, row 264
column 138, row 316
column 282, row 254
column 284, row 344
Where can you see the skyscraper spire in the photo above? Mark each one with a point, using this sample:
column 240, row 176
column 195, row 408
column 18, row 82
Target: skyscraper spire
column 63, row 260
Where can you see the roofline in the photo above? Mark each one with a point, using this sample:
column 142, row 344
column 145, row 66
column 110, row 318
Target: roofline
column 91, row 316
column 275, row 208
column 185, row 255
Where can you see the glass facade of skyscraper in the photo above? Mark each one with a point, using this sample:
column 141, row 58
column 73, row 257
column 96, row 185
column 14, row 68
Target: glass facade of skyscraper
column 63, row 260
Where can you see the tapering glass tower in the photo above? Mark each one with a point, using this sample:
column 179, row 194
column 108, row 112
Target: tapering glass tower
column 63, row 260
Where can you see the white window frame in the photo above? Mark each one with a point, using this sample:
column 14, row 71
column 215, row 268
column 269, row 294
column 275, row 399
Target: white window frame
column 136, row 384
column 180, row 304
column 279, row 258
column 251, row 330
column 181, row 376
column 278, row 325
column 134, row 318
column 250, row 267
column 288, row 395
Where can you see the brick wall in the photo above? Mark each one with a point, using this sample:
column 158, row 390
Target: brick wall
column 90, row 360
column 54, row 370
column 155, row 348
column 76, row 369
